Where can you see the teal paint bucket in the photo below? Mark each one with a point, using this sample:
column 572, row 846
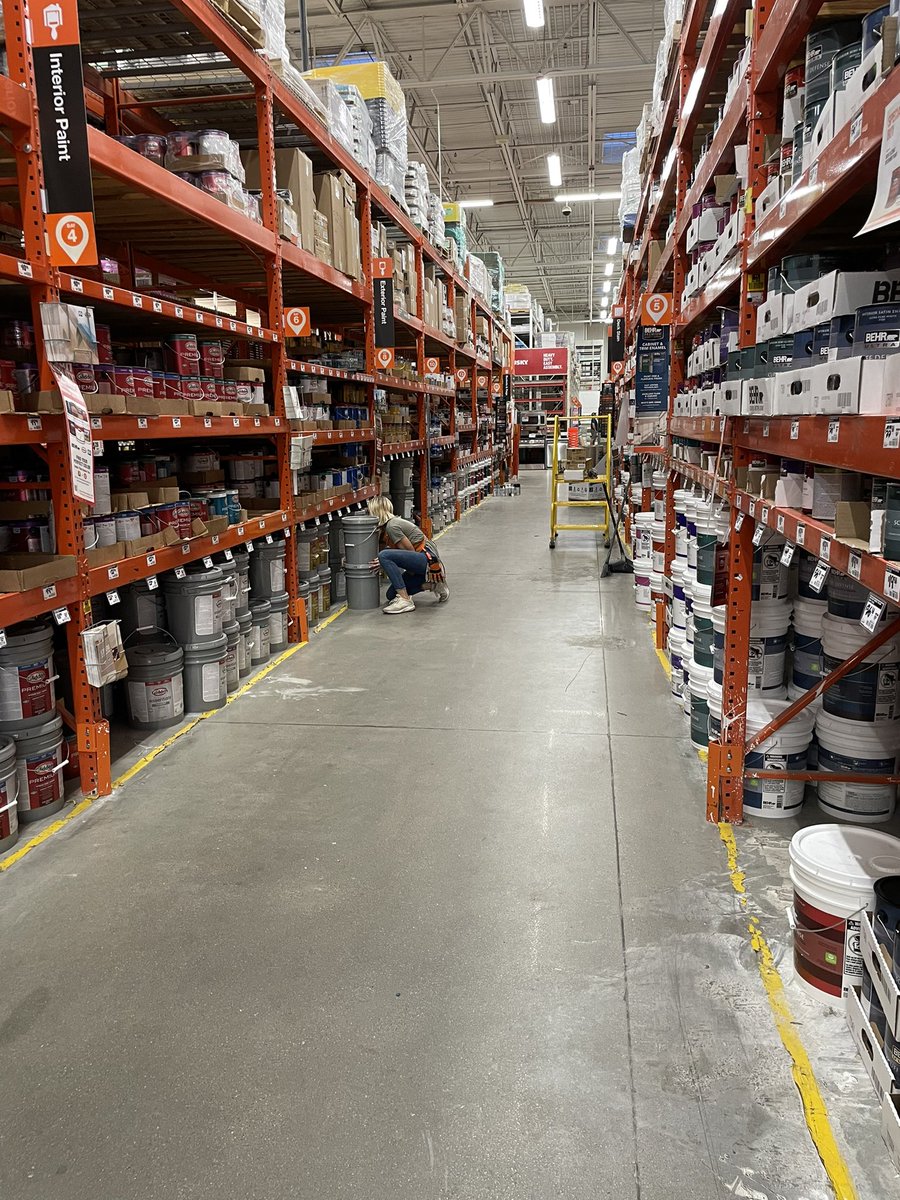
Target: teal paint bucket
column 806, row 670
column 863, row 749
column 870, row 693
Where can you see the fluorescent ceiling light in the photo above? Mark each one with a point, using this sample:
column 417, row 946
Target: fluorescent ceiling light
column 476, row 204
column 554, row 170
column 534, row 13
column 587, row 197
column 611, row 246
column 546, row 101
column 607, row 287
column 608, row 269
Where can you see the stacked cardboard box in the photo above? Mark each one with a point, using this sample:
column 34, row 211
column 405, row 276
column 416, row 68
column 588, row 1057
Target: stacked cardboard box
column 294, row 175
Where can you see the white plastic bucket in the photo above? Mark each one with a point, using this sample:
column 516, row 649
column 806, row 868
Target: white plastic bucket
column 27, row 692
column 9, row 792
column 870, row 692
column 642, row 570
column 657, row 590
column 714, row 703
column 676, row 662
column 699, row 677
column 658, row 545
column 860, row 748
column 785, row 750
column 691, row 522
column 833, row 872
column 643, row 537
column 681, row 533
column 702, row 617
column 807, row 642
column 686, row 682
column 719, row 618
column 707, row 540
column 679, row 610
column 769, row 623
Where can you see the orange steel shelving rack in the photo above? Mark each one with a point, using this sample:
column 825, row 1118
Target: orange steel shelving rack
column 854, row 443
column 149, row 219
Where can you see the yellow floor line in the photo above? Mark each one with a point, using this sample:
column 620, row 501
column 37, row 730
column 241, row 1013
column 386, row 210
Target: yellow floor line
column 815, row 1110
column 82, row 805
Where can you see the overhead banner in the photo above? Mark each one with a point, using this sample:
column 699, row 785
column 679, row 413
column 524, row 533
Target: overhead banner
column 383, row 296
column 652, row 378
column 59, row 82
column 542, row 362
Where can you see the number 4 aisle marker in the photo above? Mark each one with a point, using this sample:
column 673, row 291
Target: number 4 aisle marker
column 56, row 49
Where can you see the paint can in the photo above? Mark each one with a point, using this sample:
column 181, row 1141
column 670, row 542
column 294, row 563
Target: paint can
column 676, row 662
column 154, row 690
column 360, row 539
column 105, row 530
column 719, row 618
column 232, row 631
column 182, row 354
column 278, row 622
column 9, row 792
column 702, row 618
column 642, row 570
column 658, row 543
column 267, row 569
column 195, row 604
column 863, row 749
column 364, row 589
column 102, row 494
column 142, row 611
column 785, row 750
column 245, row 624
column 846, row 597
column 39, row 763
column 807, row 642
column 230, row 590
column 27, row 691
column 833, row 872
column 679, row 611
column 698, row 681
column 205, row 674
column 260, row 612
column 769, row 625
column 325, row 596
column 657, row 590
column 771, row 578
column 707, row 524
column 643, row 535
column 681, row 535
column 870, row 693
column 659, row 495
column 128, row 526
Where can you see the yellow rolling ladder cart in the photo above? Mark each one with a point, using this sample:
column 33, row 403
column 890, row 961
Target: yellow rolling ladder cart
column 600, row 436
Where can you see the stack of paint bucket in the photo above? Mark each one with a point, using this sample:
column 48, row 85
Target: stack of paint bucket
column 195, row 612
column 242, row 613
column 678, row 580
column 269, row 599
column 402, row 492
column 360, row 532
column 336, row 562
column 858, row 728
column 642, row 549
column 31, row 736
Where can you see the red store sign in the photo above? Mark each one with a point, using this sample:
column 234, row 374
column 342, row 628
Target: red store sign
column 542, row 362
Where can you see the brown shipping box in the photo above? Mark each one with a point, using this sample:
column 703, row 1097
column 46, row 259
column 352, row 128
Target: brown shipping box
column 330, row 202
column 293, row 171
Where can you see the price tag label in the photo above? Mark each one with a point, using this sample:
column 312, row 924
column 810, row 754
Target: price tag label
column 287, row 533
column 157, row 306
column 207, row 422
column 152, row 583
column 240, row 531
column 236, row 422
column 758, row 534
column 765, row 429
column 229, row 557
column 113, row 597
column 257, row 421
column 215, row 539
column 97, row 448
column 854, row 565
column 855, row 128
column 151, row 560
column 269, row 539
column 795, row 430
column 77, row 285
column 787, row 554
column 892, row 435
column 825, row 549
column 751, row 508
column 34, row 423
column 872, row 613
column 764, row 516
column 220, row 324
column 96, row 422
column 818, row 577
column 2, row 638
column 142, row 422
column 61, row 615
column 137, row 301
column 779, row 523
column 176, row 422
column 179, row 311
column 207, row 561
column 180, row 573
column 892, row 586
column 738, row 522
column 108, row 294
column 112, row 573
column 249, row 547
column 318, row 522
column 199, row 318
column 185, row 548
column 801, row 535
column 834, row 430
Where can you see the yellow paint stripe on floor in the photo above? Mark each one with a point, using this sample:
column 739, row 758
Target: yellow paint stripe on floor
column 83, row 805
column 815, row 1110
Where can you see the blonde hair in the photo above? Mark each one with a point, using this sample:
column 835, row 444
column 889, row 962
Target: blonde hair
column 381, row 508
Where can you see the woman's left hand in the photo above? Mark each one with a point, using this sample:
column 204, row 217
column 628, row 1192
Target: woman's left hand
column 374, row 564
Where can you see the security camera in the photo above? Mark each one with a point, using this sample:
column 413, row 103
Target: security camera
column 567, row 210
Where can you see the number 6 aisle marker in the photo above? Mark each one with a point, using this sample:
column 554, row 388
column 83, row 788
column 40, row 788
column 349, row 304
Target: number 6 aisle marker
column 297, row 321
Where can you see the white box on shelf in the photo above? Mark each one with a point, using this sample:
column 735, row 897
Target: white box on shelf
column 704, row 402
column 879, row 391
column 879, row 967
column 835, row 387
column 683, row 404
column 890, row 1126
column 863, row 82
column 868, row 1043
column 728, row 398
column 792, row 113
column 840, row 293
column 705, row 227
column 767, row 198
column 758, row 396
column 793, row 394
column 823, row 133
column 769, row 317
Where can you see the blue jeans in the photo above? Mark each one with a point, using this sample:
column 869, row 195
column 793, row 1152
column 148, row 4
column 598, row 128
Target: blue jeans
column 405, row 569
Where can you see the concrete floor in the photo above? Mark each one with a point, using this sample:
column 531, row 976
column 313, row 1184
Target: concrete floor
column 432, row 912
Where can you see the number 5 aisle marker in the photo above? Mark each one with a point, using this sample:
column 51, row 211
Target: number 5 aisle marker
column 56, row 48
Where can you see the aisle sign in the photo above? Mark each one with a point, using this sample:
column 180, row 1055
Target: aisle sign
column 78, row 434
column 297, row 322
column 652, row 378
column 616, row 342
column 383, row 296
column 59, row 83
column 656, row 308
column 432, row 366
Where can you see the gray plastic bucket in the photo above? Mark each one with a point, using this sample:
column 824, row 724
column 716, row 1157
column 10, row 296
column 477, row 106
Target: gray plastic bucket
column 404, row 499
column 9, row 791
column 154, row 690
column 141, row 611
column 205, row 674
column 401, row 475
column 304, row 590
column 245, row 624
column 267, row 569
column 338, row 585
column 27, row 692
column 234, row 637
column 242, row 562
column 278, row 623
column 260, row 612
column 231, row 591
column 194, row 605
column 39, row 763
column 326, row 596
column 363, row 587
column 360, row 539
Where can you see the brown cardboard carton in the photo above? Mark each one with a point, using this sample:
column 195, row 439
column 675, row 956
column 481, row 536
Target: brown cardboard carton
column 7, row 401
column 245, row 374
column 51, row 402
column 153, row 541
column 151, row 406
column 23, row 510
column 102, row 556
column 201, row 478
column 293, row 171
column 19, row 572
column 330, row 203
column 207, row 408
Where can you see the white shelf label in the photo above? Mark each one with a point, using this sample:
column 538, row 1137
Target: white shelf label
column 142, row 422
column 180, row 573
column 825, row 548
column 834, row 430
column 152, row 583
column 61, row 615
column 2, row 638
column 818, row 577
column 738, row 522
column 764, row 516
column 795, row 430
column 854, row 565
column 179, row 311
column 229, row 557
column 34, row 424
column 892, row 435
column 801, row 535
column 112, row 573
column 176, row 422
column 249, row 547
column 787, row 555
column 758, row 533
column 872, row 613
column 765, row 429
column 892, row 585
column 269, row 539
column 779, row 522
column 207, row 561
column 157, row 306
column 207, row 422
column 751, row 508
column 113, row 597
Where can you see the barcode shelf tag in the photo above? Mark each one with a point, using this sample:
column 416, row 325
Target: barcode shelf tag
column 872, row 613
column 818, row 577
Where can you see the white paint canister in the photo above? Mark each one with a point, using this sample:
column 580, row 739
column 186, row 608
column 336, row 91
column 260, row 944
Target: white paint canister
column 9, row 792
column 870, row 693
column 642, row 569
column 785, row 750
column 679, row 611
column 769, row 624
column 128, row 526
column 698, row 681
column 102, row 498
column 658, row 545
column 676, row 662
column 105, row 530
column 833, row 871
column 278, row 623
column 27, row 691
column 643, row 535
column 859, row 748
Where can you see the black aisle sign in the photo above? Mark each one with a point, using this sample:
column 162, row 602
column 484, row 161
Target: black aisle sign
column 617, row 335
column 383, row 296
column 56, row 49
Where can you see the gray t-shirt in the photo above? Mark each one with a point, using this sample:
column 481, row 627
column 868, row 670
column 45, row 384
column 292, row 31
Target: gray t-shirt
column 396, row 528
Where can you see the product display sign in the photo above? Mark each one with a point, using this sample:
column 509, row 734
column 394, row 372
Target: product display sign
column 59, row 83
column 616, row 343
column 652, row 377
column 78, row 434
column 297, row 322
column 886, row 208
column 542, row 362
column 383, row 297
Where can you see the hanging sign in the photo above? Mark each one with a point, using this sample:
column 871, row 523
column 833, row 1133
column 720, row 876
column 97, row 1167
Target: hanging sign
column 384, row 358
column 554, row 361
column 432, row 366
column 652, row 375
column 886, row 207
column 78, row 434
column 656, row 308
column 59, row 82
column 616, row 342
column 383, row 296
column 462, row 374
column 496, row 387
column 297, row 322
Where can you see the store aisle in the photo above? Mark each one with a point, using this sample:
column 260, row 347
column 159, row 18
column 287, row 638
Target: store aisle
column 433, row 912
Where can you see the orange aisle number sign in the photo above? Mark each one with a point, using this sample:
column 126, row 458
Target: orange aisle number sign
column 616, row 369
column 384, row 358
column 496, row 387
column 462, row 374
column 656, row 308
column 297, row 322
column 432, row 366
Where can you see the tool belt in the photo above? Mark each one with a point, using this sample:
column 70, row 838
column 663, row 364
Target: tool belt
column 435, row 566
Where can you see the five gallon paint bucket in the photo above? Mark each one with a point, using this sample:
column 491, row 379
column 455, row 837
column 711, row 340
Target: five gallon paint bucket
column 769, row 623
column 267, row 569
column 9, row 792
column 698, row 681
column 806, row 669
column 702, row 617
column 234, row 639
column 260, row 631
column 244, row 649
column 771, row 578
column 846, row 597
column 658, row 545
column 679, row 610
column 676, row 663
column 360, row 539
column 785, row 750
column 39, row 763
column 707, row 540
column 871, row 691
column 27, row 691
column 278, row 622
column 195, row 604
column 205, row 674
column 833, row 872
column 863, row 749
column 642, row 543
column 642, row 571
column 154, row 692
column 363, row 588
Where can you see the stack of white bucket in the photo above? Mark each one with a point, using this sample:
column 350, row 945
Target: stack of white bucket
column 648, row 539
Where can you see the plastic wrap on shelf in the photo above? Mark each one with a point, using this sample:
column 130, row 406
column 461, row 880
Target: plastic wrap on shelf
column 455, row 228
column 338, row 120
column 271, row 20
column 497, row 272
column 203, row 150
column 631, row 188
column 416, row 193
column 479, row 276
column 436, row 229
column 294, row 81
column 384, row 99
column 363, row 146
column 390, row 174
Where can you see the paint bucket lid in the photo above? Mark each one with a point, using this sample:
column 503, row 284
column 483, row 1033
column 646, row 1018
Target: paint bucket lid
column 858, row 738
column 719, row 617
column 849, row 856
column 762, row 710
column 154, row 654
column 843, row 636
column 644, row 519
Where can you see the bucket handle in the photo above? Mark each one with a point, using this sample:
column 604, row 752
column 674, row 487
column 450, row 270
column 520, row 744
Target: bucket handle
column 14, row 802
column 57, row 769
column 795, row 924
column 148, row 629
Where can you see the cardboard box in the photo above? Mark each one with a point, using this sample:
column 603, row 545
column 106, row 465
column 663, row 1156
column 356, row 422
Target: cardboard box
column 890, row 1126
column 793, row 393
column 153, row 541
column 7, row 401
column 20, row 572
column 878, row 964
column 150, row 406
column 206, row 408
column 841, row 293
column 853, row 523
column 823, row 133
column 51, row 402
column 830, row 487
column 870, row 1046
column 202, row 478
column 868, row 75
column 758, row 397
column 769, row 317
column 245, row 374
column 330, row 203
column 836, row 386
column 293, row 172
column 767, row 199
column 102, row 556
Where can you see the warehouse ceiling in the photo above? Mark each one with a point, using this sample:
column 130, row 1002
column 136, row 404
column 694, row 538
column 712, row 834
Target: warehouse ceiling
column 469, row 70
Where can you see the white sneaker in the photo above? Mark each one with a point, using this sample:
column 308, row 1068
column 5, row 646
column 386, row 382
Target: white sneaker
column 399, row 605
column 442, row 591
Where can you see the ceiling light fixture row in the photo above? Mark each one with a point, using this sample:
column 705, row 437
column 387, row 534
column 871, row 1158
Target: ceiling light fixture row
column 554, row 170
column 534, row 14
column 546, row 100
